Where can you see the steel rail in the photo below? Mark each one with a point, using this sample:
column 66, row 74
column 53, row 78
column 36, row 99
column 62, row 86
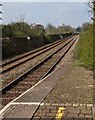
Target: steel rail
column 8, row 86
column 52, row 67
column 29, row 53
column 35, row 55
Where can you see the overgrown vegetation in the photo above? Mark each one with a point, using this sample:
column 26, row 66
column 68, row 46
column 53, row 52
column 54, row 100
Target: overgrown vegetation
column 22, row 29
column 84, row 48
column 84, row 52
column 19, row 37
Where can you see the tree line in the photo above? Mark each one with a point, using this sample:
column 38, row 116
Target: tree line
column 20, row 29
column 85, row 53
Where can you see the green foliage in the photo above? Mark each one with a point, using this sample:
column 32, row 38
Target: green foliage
column 84, row 49
column 18, row 29
column 38, row 30
column 7, row 30
column 85, row 53
column 21, row 29
column 47, row 39
column 85, row 26
column 50, row 29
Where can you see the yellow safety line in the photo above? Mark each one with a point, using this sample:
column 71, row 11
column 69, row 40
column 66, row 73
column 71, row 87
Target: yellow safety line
column 60, row 113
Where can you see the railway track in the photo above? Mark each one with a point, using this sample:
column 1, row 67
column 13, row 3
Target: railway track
column 23, row 58
column 10, row 60
column 33, row 75
column 19, row 67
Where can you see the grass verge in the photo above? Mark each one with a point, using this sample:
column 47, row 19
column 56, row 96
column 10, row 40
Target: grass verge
column 83, row 53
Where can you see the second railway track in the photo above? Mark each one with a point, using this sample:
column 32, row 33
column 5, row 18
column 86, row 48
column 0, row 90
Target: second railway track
column 14, row 59
column 26, row 57
column 24, row 64
column 33, row 75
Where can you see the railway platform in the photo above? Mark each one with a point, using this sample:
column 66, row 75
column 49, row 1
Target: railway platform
column 65, row 94
column 68, row 101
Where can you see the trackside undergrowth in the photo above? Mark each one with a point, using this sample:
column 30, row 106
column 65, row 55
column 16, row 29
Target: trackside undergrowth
column 83, row 53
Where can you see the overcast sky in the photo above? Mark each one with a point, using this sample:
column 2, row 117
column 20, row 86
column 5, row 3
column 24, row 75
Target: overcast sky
column 56, row 13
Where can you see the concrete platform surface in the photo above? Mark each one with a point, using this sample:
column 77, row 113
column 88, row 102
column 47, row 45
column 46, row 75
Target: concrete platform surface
column 65, row 94
column 31, row 99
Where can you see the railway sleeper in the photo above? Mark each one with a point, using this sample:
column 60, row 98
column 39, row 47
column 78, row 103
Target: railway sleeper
column 15, row 92
column 19, row 89
column 25, row 83
column 21, row 86
column 31, row 80
column 36, row 76
column 6, row 101
column 10, row 95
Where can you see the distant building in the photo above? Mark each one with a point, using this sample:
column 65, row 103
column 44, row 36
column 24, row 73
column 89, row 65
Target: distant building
column 38, row 29
column 39, row 26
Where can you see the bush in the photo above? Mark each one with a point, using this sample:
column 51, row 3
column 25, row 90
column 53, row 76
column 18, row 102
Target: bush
column 84, row 49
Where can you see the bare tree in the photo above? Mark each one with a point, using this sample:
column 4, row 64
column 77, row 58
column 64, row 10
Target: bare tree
column 20, row 18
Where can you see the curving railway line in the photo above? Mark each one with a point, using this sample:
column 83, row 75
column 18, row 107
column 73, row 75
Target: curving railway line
column 10, row 60
column 9, row 64
column 17, row 67
column 42, row 67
